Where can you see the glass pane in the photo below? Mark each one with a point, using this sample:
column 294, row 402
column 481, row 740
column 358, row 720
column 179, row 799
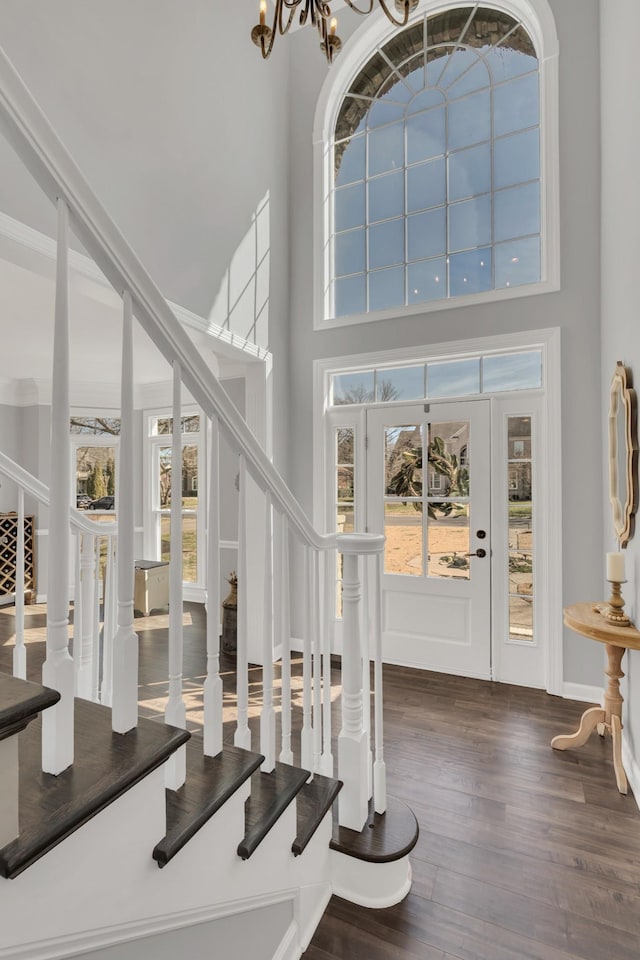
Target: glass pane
column 191, row 424
column 513, row 57
column 426, row 185
column 349, row 207
column 517, row 158
column 517, row 212
column 470, row 223
column 164, row 477
column 353, row 387
column 384, row 112
column 350, row 295
column 448, row 540
column 470, row 172
column 351, row 120
column 189, row 546
column 403, row 546
column 427, row 280
column 519, row 437
column 513, row 371
column 164, row 425
column 349, row 161
column 458, row 63
column 516, row 105
column 386, row 289
column 426, row 234
column 470, row 120
column 470, row 272
column 474, row 79
column 517, row 262
column 344, row 524
column 426, row 135
column 349, row 252
column 189, row 477
column 521, row 618
column 345, row 437
column 386, row 149
column 402, row 383
column 386, row 243
column 403, row 461
column 98, row 426
column 449, row 458
column 386, row 197
column 453, row 378
column 345, row 485
column 95, row 478
column 426, row 99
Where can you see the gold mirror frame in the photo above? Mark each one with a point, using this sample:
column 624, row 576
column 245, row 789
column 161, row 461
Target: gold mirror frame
column 623, row 463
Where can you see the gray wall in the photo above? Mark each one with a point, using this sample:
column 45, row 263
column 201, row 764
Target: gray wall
column 575, row 309
column 180, row 129
column 620, row 256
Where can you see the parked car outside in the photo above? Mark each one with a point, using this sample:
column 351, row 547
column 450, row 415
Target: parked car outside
column 102, row 503
column 82, row 501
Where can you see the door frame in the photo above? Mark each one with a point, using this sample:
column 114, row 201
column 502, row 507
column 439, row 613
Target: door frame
column 545, row 403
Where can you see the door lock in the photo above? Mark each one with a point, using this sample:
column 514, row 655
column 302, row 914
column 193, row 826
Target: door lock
column 477, row 553
column 481, row 534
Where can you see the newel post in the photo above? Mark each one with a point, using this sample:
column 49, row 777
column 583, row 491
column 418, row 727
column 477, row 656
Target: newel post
column 353, row 741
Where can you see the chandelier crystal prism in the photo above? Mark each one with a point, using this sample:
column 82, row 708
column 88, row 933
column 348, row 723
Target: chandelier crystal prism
column 318, row 13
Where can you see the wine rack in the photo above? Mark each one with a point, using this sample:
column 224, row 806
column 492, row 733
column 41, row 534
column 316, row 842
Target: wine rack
column 8, row 554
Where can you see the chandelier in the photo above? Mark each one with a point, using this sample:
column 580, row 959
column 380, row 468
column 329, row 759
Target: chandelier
column 318, row 12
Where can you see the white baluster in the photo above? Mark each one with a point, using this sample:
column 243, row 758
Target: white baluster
column 353, row 753
column 213, row 692
column 110, row 599
column 77, row 605
column 327, row 618
column 175, row 713
column 379, row 769
column 317, row 661
column 242, row 737
column 125, row 643
column 84, row 628
column 306, row 745
column 95, row 622
column 268, row 715
column 284, row 633
column 20, row 650
column 365, row 612
column 57, row 670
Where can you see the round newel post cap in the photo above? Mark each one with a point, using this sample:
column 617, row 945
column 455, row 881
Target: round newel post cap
column 360, row 543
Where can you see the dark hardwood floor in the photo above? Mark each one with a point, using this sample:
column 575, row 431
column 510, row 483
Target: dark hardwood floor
column 525, row 853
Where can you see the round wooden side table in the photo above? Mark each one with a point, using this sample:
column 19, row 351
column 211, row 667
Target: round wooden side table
column 584, row 619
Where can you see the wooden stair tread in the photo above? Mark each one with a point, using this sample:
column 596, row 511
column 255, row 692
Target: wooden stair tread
column 385, row 837
column 209, row 784
column 271, row 794
column 312, row 803
column 21, row 702
column 106, row 765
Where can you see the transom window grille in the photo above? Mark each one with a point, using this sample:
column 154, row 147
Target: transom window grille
column 436, row 161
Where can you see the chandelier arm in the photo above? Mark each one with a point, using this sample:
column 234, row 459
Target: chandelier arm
column 279, row 15
column 356, row 8
column 408, row 6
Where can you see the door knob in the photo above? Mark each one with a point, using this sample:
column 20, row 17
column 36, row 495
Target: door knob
column 477, row 553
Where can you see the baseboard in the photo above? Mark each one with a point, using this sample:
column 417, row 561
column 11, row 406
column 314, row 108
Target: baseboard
column 582, row 691
column 631, row 768
column 289, row 948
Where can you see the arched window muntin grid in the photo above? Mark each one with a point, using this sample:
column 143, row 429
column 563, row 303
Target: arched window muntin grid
column 389, row 250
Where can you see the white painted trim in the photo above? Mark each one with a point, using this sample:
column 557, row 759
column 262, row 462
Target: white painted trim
column 289, row 947
column 631, row 767
column 373, row 885
column 537, row 18
column 73, row 944
column 583, row 692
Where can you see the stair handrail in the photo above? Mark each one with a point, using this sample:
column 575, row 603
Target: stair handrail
column 40, row 491
column 43, row 153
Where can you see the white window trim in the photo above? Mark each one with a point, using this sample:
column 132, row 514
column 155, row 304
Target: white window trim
column 537, row 17
column 548, row 451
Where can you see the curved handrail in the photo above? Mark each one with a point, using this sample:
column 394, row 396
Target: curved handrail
column 28, row 130
column 40, row 491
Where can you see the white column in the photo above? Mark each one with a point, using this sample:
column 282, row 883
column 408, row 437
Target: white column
column 110, row 622
column 256, row 404
column 327, row 617
column 175, row 713
column 306, row 745
column 242, row 737
column 379, row 769
column 213, row 692
column 268, row 715
column 83, row 618
column 366, row 624
column 284, row 634
column 20, row 650
column 57, row 670
column 317, row 662
column 125, row 643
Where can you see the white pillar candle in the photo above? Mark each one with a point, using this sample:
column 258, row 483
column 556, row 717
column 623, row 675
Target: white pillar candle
column 615, row 567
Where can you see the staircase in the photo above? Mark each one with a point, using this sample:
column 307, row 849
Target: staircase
column 92, row 794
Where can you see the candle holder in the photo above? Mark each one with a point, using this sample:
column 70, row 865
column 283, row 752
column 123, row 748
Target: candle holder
column 614, row 610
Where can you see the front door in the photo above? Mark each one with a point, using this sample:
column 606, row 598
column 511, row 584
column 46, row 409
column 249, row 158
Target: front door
column 428, row 491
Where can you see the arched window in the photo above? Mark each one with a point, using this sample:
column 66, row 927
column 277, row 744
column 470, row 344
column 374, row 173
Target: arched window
column 435, row 166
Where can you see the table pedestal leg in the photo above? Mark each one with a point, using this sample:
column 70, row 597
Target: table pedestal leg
column 604, row 718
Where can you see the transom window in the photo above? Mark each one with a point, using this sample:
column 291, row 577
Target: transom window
column 436, row 165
